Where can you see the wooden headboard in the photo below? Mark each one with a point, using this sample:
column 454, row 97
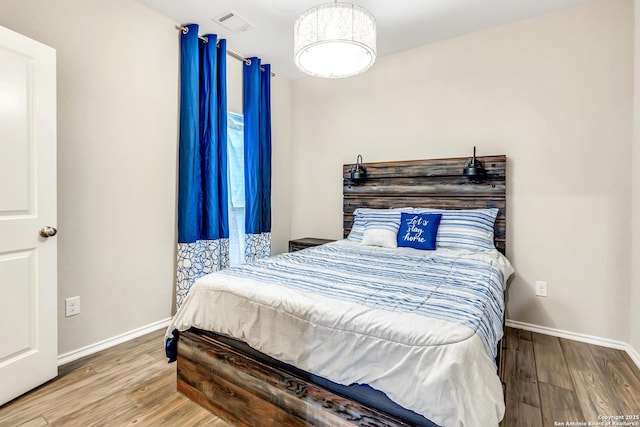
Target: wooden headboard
column 437, row 183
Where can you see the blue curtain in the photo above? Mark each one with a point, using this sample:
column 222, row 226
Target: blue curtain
column 203, row 225
column 257, row 158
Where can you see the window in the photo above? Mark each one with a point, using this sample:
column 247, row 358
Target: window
column 236, row 202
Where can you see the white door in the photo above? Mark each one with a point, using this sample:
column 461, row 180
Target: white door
column 28, row 284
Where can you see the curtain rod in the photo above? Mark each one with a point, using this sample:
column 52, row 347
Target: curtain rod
column 231, row 53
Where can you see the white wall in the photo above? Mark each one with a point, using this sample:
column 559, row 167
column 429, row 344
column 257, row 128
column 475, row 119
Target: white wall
column 634, row 300
column 117, row 129
column 118, row 77
column 281, row 135
column 553, row 93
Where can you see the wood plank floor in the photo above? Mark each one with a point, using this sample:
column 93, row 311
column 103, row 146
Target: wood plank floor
column 553, row 381
column 549, row 380
column 127, row 385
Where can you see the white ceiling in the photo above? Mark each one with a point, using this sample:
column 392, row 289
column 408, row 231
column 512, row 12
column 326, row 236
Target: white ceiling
column 402, row 24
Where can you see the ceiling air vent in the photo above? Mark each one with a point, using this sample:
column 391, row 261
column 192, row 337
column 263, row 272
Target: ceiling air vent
column 233, row 22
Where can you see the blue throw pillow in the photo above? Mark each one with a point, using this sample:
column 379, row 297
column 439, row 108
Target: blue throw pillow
column 418, row 230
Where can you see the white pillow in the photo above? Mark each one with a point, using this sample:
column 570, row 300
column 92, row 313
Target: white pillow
column 362, row 215
column 381, row 230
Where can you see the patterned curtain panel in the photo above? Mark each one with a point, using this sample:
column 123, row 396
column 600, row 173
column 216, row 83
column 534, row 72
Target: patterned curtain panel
column 203, row 225
column 257, row 158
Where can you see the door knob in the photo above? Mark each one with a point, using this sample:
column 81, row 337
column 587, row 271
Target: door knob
column 48, row 231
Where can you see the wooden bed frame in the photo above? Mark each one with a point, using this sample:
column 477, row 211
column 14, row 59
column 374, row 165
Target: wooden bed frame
column 245, row 392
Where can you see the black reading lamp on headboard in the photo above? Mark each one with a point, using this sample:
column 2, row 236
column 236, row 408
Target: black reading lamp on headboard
column 475, row 169
column 357, row 173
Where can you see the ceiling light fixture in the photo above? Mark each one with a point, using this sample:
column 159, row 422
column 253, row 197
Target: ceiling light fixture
column 335, row 40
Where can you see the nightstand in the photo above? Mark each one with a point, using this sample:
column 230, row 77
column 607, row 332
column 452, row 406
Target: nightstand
column 306, row 242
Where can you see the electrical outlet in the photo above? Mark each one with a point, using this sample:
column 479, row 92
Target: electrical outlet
column 541, row 289
column 72, row 306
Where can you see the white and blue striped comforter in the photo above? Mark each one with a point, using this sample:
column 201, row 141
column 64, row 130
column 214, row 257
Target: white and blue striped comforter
column 421, row 326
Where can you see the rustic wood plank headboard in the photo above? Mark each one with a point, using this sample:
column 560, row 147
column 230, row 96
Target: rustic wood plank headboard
column 437, row 183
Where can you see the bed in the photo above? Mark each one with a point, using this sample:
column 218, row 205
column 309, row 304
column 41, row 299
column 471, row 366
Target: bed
column 272, row 343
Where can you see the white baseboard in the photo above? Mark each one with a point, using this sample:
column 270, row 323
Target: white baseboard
column 110, row 342
column 127, row 336
column 590, row 339
column 634, row 355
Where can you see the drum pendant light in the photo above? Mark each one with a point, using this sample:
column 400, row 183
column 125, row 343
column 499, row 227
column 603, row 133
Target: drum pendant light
column 335, row 40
